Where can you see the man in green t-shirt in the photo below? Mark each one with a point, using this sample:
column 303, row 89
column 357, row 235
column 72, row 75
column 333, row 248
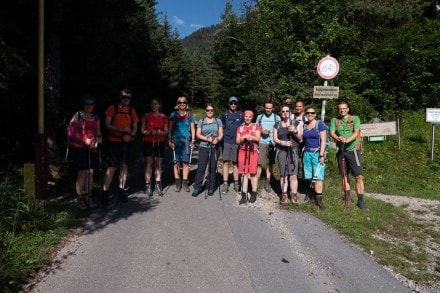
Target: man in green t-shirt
column 345, row 131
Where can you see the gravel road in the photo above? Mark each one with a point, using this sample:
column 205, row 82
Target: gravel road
column 180, row 243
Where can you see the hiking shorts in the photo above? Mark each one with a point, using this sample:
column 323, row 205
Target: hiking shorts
column 352, row 161
column 153, row 149
column 288, row 162
column 119, row 153
column 312, row 168
column 182, row 151
column 230, row 152
column 247, row 161
column 80, row 157
column 267, row 151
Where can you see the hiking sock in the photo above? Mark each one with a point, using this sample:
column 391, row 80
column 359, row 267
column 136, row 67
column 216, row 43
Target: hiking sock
column 253, row 197
column 318, row 201
column 360, row 203
column 243, row 198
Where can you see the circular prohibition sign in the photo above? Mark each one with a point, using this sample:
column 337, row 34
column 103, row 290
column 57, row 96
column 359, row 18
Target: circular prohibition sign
column 328, row 67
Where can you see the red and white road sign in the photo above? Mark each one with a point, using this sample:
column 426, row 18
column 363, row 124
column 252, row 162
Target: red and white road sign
column 328, row 67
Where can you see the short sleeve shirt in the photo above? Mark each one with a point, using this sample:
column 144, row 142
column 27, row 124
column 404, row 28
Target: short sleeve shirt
column 182, row 124
column 209, row 129
column 345, row 129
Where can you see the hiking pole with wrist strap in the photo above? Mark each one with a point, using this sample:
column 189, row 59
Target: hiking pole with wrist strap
column 344, row 175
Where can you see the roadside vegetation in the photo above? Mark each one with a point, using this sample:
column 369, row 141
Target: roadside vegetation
column 408, row 245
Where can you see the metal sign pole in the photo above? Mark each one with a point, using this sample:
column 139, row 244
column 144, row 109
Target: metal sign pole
column 433, row 142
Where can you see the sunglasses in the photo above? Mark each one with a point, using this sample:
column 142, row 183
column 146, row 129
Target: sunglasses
column 233, row 103
column 126, row 97
column 310, row 113
column 285, row 111
column 89, row 104
column 180, row 102
column 209, row 110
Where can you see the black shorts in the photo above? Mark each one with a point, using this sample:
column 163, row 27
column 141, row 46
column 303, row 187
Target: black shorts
column 82, row 160
column 153, row 149
column 119, row 153
column 352, row 161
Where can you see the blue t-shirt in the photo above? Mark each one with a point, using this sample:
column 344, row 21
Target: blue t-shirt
column 267, row 122
column 182, row 125
column 209, row 129
column 230, row 122
column 311, row 136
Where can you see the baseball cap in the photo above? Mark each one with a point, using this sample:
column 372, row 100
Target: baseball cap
column 233, row 99
column 88, row 100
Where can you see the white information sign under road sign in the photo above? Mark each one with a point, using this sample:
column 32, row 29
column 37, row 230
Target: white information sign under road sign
column 325, row 92
column 377, row 129
column 433, row 115
column 328, row 67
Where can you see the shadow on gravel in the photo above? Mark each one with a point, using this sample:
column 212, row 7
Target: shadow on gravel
column 138, row 202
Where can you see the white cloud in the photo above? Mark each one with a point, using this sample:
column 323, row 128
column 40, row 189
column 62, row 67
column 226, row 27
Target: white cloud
column 178, row 21
column 195, row 26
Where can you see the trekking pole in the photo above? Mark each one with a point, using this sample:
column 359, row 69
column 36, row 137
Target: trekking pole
column 285, row 175
column 344, row 179
column 217, row 175
column 243, row 175
column 208, row 181
column 86, row 197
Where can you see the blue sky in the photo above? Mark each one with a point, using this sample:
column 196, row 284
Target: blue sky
column 188, row 16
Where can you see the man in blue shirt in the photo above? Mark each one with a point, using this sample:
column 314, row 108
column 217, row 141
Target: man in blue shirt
column 267, row 122
column 231, row 120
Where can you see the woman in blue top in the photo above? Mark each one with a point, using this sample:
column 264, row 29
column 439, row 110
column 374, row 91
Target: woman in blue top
column 181, row 138
column 210, row 133
column 314, row 138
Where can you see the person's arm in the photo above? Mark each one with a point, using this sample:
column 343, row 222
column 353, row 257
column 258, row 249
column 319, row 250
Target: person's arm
column 170, row 132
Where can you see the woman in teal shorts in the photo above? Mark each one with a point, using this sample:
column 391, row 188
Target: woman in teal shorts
column 314, row 138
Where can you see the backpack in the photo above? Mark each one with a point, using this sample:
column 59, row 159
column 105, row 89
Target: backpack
column 224, row 117
column 254, row 127
column 69, row 134
column 203, row 123
column 130, row 110
column 350, row 122
column 327, row 130
column 188, row 115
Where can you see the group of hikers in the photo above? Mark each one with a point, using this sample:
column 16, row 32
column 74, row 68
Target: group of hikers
column 294, row 138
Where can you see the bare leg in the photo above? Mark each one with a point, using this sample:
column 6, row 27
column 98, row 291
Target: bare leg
column 123, row 176
column 148, row 169
column 108, row 177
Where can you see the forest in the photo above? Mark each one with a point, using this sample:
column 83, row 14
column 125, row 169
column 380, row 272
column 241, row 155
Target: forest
column 388, row 53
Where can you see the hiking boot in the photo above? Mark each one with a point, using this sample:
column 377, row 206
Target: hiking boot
column 267, row 186
column 123, row 195
column 362, row 205
column 225, row 188
column 104, row 198
column 158, row 189
column 319, row 203
column 236, row 187
column 185, row 186
column 210, row 192
column 294, row 198
column 178, row 185
column 253, row 197
column 243, row 199
column 147, row 189
column 284, row 199
column 195, row 192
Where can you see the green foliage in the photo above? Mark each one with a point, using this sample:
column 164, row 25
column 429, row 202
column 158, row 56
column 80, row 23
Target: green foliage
column 28, row 230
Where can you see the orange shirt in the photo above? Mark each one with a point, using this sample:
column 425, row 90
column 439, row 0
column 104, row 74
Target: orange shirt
column 122, row 119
